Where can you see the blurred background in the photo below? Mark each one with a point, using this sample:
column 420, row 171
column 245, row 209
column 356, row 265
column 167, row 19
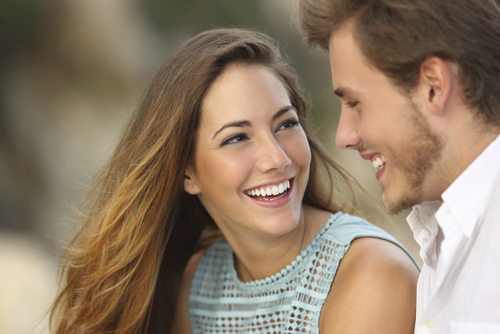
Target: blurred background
column 71, row 72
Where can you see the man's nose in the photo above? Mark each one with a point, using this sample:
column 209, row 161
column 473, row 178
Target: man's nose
column 347, row 132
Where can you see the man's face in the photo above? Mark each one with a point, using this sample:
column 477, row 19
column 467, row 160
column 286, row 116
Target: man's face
column 384, row 125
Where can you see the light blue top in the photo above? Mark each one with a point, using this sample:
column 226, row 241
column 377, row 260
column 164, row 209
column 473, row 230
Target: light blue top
column 289, row 301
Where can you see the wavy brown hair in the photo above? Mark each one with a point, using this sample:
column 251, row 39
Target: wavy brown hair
column 396, row 36
column 122, row 270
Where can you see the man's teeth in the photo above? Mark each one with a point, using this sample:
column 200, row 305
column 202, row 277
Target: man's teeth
column 378, row 162
column 270, row 191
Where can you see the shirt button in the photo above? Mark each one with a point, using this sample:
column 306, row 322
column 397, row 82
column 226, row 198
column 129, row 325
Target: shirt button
column 429, row 324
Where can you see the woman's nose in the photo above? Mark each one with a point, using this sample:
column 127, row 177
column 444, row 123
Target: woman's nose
column 272, row 156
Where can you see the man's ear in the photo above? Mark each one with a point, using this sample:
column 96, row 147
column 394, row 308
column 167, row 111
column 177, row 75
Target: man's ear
column 435, row 84
column 190, row 182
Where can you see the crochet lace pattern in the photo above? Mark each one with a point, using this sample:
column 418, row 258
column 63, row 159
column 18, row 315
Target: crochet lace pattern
column 289, row 301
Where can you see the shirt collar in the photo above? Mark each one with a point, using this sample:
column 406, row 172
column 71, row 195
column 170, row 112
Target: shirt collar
column 467, row 195
column 422, row 218
column 476, row 181
column 425, row 229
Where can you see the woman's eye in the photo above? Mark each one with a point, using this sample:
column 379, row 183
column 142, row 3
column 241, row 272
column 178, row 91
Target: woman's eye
column 234, row 139
column 289, row 123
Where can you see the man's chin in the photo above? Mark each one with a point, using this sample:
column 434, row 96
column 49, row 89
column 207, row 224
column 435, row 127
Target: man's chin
column 394, row 207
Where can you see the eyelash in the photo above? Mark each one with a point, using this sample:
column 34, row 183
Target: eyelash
column 351, row 104
column 289, row 123
column 231, row 140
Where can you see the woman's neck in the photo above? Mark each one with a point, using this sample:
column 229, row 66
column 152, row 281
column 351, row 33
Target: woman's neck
column 257, row 258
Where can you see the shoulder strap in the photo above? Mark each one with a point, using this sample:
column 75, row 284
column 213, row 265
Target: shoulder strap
column 347, row 228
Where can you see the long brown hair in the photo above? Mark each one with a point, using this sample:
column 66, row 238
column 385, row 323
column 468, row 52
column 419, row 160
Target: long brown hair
column 396, row 36
column 121, row 272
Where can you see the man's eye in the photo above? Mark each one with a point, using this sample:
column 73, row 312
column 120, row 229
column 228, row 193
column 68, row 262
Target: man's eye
column 234, row 139
column 352, row 104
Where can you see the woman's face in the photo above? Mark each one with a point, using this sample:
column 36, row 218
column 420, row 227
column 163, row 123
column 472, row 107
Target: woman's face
column 251, row 160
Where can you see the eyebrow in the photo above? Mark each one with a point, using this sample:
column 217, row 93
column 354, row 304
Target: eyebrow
column 240, row 124
column 342, row 91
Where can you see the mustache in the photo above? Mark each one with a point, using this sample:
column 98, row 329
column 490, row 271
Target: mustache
column 362, row 147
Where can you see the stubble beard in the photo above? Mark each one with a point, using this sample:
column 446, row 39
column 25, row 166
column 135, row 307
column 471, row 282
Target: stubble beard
column 415, row 161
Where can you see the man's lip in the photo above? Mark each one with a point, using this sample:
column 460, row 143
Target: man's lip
column 380, row 172
column 368, row 156
column 373, row 155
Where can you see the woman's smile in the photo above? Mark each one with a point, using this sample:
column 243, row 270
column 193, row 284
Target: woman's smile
column 250, row 131
column 269, row 191
column 272, row 195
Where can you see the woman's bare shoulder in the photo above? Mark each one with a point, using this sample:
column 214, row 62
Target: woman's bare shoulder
column 374, row 291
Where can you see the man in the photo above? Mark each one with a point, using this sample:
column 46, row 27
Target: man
column 419, row 82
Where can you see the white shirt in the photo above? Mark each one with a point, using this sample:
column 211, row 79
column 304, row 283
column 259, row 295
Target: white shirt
column 459, row 286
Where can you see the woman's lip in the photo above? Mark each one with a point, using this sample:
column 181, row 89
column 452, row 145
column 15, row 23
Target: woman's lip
column 266, row 185
column 275, row 203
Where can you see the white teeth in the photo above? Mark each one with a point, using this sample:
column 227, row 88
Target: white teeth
column 274, row 190
column 378, row 162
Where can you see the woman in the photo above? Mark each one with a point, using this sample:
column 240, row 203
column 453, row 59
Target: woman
column 219, row 146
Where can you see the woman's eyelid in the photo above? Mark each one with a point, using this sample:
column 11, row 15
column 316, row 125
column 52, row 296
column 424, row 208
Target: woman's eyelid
column 289, row 122
column 292, row 121
column 230, row 139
